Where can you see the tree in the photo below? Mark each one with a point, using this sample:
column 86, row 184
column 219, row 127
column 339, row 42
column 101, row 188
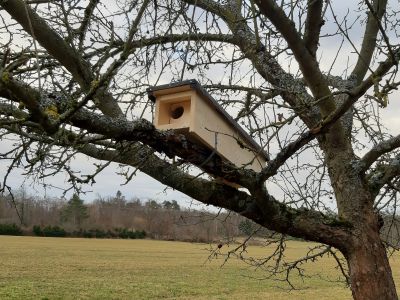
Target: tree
column 153, row 204
column 119, row 199
column 246, row 227
column 73, row 80
column 75, row 211
column 173, row 205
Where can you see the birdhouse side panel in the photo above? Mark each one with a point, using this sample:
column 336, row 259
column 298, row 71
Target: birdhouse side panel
column 215, row 131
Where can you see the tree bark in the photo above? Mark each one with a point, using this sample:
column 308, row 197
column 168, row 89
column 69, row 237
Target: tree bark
column 369, row 270
column 370, row 273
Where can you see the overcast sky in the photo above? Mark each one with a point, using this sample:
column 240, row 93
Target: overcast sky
column 144, row 187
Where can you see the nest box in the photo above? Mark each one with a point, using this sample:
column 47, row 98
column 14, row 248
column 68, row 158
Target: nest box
column 188, row 109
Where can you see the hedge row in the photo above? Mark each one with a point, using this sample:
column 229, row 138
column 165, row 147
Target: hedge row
column 123, row 233
column 51, row 231
column 10, row 229
column 56, row 231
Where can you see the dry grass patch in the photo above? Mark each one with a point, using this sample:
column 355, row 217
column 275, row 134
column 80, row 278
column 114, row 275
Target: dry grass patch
column 63, row 268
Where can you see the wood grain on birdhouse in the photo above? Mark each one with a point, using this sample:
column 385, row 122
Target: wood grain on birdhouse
column 187, row 108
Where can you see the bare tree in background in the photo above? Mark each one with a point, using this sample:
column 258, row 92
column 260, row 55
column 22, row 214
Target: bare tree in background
column 74, row 76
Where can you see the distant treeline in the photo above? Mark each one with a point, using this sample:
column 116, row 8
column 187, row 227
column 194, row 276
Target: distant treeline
column 116, row 217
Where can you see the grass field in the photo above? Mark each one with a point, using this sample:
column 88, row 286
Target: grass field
column 63, row 268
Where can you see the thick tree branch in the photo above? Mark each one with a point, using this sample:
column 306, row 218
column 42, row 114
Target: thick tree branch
column 358, row 91
column 384, row 174
column 260, row 207
column 172, row 144
column 291, row 90
column 314, row 22
column 167, row 142
column 376, row 75
column 271, row 213
column 337, row 140
column 323, row 127
column 60, row 50
column 13, row 90
column 50, row 40
column 369, row 41
column 383, row 147
column 329, row 121
column 307, row 62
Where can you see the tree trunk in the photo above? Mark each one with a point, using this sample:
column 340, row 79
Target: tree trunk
column 370, row 273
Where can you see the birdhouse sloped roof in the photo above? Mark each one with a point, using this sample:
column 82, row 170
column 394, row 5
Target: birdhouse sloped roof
column 192, row 84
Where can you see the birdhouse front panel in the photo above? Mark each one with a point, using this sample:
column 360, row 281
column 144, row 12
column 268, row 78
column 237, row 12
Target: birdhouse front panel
column 173, row 111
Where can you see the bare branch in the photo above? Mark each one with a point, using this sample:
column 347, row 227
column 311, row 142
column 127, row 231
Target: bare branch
column 384, row 147
column 86, row 20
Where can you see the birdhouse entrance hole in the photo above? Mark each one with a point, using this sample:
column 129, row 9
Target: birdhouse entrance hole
column 177, row 112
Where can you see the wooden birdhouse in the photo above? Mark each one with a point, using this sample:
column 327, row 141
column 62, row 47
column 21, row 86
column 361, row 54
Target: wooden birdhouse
column 188, row 109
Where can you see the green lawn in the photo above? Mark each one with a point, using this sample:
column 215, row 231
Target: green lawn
column 64, row 268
